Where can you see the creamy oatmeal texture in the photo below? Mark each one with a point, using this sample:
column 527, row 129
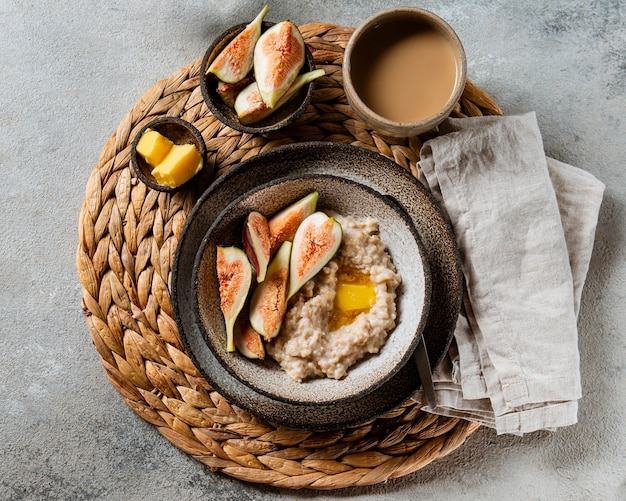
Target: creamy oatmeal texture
column 304, row 348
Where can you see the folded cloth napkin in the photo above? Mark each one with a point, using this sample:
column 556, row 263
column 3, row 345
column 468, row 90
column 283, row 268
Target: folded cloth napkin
column 525, row 226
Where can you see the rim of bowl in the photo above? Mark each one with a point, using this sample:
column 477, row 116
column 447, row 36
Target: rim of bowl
column 218, row 44
column 154, row 124
column 390, row 15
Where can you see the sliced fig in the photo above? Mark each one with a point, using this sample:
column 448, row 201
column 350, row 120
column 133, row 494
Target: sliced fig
column 278, row 58
column 235, row 61
column 316, row 242
column 234, row 276
column 269, row 300
column 284, row 224
column 228, row 92
column 249, row 105
column 247, row 340
column 251, row 108
column 256, row 243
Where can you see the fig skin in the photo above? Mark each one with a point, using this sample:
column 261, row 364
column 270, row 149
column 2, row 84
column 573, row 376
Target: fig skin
column 234, row 276
column 317, row 240
column 248, row 341
column 235, row 61
column 256, row 243
column 269, row 300
column 284, row 224
column 250, row 106
column 279, row 56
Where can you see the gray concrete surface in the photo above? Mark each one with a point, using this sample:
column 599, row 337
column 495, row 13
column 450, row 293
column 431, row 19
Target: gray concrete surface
column 68, row 73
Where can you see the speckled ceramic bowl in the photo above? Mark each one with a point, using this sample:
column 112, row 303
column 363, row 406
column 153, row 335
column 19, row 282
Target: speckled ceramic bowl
column 347, row 198
column 178, row 131
column 282, row 117
column 364, row 167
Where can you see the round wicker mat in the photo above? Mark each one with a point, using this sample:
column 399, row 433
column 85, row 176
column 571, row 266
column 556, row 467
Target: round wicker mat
column 127, row 239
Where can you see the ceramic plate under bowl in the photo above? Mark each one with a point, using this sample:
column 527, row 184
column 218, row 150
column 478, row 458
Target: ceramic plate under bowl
column 347, row 198
column 368, row 168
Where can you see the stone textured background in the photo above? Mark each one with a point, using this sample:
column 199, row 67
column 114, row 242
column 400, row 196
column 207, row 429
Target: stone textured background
column 69, row 71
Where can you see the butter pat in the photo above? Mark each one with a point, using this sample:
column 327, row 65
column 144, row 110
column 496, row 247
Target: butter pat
column 181, row 163
column 173, row 164
column 350, row 297
column 354, row 294
column 153, row 147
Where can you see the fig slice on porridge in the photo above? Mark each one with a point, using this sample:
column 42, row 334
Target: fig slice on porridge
column 317, row 240
column 269, row 300
column 234, row 275
column 247, row 340
column 256, row 243
column 284, row 224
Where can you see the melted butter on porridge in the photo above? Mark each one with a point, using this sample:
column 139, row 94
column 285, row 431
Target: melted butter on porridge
column 354, row 294
column 345, row 312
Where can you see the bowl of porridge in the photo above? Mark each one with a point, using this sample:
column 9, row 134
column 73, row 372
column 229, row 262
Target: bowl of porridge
column 350, row 327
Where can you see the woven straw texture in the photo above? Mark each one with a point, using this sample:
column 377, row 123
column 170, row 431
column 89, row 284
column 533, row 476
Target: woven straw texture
column 127, row 239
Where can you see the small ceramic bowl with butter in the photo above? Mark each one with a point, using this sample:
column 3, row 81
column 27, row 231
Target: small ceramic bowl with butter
column 168, row 153
column 404, row 70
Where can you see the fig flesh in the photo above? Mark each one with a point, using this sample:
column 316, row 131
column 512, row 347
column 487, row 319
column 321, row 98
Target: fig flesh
column 235, row 61
column 284, row 224
column 278, row 58
column 317, row 240
column 248, row 341
column 250, row 106
column 256, row 243
column 234, row 276
column 269, row 300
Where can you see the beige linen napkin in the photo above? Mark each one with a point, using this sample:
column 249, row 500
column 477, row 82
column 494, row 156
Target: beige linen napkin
column 525, row 226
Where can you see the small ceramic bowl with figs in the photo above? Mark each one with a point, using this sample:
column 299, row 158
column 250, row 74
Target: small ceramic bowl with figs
column 337, row 195
column 223, row 97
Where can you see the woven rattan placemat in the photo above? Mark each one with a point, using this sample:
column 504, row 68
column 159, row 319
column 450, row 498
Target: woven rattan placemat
column 127, row 239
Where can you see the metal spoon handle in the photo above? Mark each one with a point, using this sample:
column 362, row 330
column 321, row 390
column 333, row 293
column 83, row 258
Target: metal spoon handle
column 425, row 374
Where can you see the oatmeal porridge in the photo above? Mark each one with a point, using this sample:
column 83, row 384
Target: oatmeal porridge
column 312, row 342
